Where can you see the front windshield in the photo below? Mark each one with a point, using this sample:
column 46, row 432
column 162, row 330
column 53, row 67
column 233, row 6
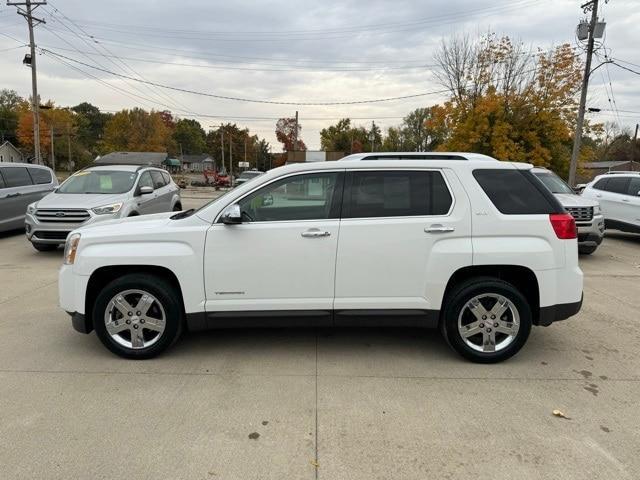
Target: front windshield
column 553, row 182
column 98, row 181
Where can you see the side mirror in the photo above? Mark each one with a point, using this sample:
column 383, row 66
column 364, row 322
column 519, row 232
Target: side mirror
column 146, row 190
column 232, row 215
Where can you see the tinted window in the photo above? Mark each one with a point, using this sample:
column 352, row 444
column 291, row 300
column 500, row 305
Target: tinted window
column 553, row 182
column 167, row 178
column 40, row 175
column 158, row 179
column 98, row 181
column 16, row 177
column 516, row 192
column 396, row 194
column 618, row 185
column 313, row 196
column 601, row 184
column 145, row 180
column 634, row 187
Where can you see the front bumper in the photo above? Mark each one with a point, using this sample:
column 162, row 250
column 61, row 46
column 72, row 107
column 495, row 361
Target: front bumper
column 55, row 233
column 591, row 233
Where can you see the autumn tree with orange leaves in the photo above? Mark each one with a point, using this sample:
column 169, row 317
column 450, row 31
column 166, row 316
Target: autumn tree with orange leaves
column 507, row 102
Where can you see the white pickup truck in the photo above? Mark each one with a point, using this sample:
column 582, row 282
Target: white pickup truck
column 481, row 250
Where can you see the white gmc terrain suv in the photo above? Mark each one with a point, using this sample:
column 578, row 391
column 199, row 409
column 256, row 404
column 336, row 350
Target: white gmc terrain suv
column 481, row 250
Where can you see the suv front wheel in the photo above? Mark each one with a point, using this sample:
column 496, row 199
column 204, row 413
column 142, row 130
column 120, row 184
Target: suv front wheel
column 486, row 320
column 138, row 316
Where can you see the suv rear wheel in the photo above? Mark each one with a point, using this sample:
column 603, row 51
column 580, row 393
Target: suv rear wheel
column 486, row 320
column 138, row 316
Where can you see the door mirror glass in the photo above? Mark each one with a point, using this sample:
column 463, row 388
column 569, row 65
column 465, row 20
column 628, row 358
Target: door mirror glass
column 145, row 190
column 232, row 215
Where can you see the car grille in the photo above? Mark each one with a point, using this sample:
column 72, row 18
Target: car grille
column 62, row 215
column 581, row 214
column 51, row 235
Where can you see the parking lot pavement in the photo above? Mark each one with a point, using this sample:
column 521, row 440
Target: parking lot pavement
column 328, row 404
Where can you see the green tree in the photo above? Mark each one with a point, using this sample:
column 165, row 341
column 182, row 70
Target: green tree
column 190, row 136
column 136, row 130
column 12, row 106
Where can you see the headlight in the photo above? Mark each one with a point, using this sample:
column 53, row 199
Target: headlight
column 31, row 209
column 70, row 248
column 107, row 209
column 596, row 210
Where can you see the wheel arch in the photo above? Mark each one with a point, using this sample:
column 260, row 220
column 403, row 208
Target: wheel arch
column 103, row 275
column 521, row 277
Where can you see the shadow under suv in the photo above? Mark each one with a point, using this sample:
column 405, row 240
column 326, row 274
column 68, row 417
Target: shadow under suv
column 97, row 194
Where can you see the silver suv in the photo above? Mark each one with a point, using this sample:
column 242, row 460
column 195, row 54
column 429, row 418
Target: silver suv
column 20, row 185
column 587, row 213
column 97, row 194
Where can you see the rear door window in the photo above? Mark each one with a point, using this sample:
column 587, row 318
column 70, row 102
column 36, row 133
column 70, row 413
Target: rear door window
column 373, row 194
column 634, row 187
column 40, row 176
column 517, row 192
column 618, row 185
column 16, row 177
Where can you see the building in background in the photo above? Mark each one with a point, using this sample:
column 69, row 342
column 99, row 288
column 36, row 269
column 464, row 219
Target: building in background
column 9, row 153
column 154, row 159
column 313, row 156
column 590, row 170
column 197, row 163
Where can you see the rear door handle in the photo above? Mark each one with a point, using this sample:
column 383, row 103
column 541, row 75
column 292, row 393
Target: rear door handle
column 314, row 232
column 438, row 228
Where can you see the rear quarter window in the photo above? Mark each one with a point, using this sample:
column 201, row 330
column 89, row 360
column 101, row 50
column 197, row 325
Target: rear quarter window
column 517, row 192
column 40, row 176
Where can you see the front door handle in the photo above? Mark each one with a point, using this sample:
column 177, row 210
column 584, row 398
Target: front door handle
column 598, row 195
column 625, row 200
column 438, row 228
column 314, row 232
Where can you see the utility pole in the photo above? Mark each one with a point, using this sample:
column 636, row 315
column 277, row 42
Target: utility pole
column 231, row 159
column 35, row 100
column 53, row 154
column 373, row 135
column 245, row 150
column 69, row 161
column 577, row 140
column 295, row 137
column 222, row 147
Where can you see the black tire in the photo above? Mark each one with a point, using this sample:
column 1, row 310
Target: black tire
column 587, row 250
column 463, row 293
column 177, row 207
column 166, row 295
column 133, row 214
column 44, row 247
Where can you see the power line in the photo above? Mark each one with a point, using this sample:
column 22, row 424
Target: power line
column 626, row 68
column 248, row 100
column 325, row 33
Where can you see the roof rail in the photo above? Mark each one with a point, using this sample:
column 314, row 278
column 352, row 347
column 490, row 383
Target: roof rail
column 632, row 172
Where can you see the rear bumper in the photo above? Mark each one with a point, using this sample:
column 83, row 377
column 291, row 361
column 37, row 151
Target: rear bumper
column 555, row 313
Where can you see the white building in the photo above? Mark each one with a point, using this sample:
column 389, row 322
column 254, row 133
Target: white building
column 9, row 153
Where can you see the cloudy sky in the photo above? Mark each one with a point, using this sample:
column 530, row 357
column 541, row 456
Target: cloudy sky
column 285, row 51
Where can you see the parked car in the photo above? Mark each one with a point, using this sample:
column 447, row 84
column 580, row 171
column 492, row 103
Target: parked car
column 20, row 185
column 586, row 211
column 619, row 197
column 419, row 156
column 98, row 194
column 247, row 175
column 481, row 250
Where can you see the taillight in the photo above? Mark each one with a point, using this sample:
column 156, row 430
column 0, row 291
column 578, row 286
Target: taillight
column 564, row 225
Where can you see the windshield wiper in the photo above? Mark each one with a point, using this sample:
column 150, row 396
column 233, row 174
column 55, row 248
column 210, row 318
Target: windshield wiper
column 185, row 214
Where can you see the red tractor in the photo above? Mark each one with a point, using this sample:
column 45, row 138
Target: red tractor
column 215, row 178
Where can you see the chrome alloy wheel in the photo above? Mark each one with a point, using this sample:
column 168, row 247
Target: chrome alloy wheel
column 135, row 319
column 489, row 323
